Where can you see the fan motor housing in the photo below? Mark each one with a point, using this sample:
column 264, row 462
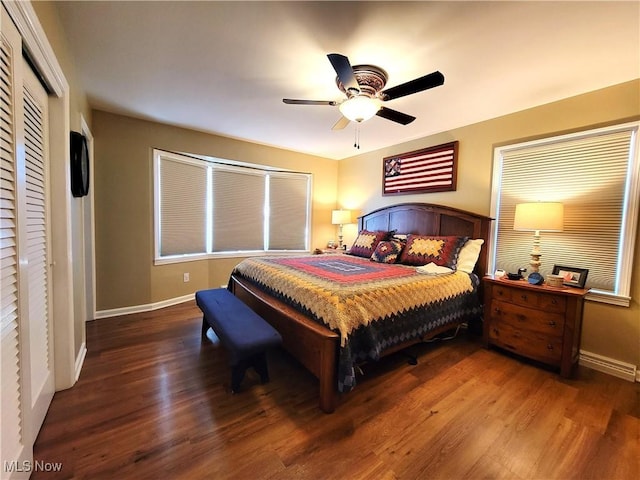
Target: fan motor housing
column 371, row 80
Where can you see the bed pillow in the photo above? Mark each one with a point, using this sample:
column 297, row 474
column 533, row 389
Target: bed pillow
column 469, row 254
column 388, row 251
column 441, row 250
column 434, row 270
column 366, row 243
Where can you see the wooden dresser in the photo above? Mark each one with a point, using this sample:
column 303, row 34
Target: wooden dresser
column 538, row 322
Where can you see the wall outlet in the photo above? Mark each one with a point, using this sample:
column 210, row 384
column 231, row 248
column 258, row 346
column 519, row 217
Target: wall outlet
column 185, row 277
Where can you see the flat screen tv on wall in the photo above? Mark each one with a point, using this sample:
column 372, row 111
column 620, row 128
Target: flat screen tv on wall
column 79, row 165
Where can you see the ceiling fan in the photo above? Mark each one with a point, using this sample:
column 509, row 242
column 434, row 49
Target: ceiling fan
column 363, row 85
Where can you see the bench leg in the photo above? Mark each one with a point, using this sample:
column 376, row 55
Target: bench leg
column 259, row 363
column 205, row 327
column 237, row 375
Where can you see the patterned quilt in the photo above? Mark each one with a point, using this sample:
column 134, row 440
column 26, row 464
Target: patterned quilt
column 373, row 306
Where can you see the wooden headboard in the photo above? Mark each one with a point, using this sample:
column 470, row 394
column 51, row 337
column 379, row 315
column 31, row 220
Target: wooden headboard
column 430, row 219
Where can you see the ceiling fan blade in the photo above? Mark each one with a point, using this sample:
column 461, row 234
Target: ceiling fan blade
column 395, row 116
column 340, row 124
column 431, row 80
column 343, row 68
column 291, row 101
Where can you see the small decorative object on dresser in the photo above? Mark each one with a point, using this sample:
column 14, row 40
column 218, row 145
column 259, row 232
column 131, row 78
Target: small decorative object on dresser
column 554, row 280
column 535, row 279
column 572, row 277
column 538, row 322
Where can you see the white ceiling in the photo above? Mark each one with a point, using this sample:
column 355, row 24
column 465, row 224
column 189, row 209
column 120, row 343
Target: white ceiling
column 224, row 67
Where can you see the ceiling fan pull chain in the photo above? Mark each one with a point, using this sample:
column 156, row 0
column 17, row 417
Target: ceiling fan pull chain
column 356, row 143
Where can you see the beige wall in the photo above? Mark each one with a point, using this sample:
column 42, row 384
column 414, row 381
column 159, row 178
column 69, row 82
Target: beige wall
column 48, row 15
column 78, row 107
column 126, row 275
column 610, row 331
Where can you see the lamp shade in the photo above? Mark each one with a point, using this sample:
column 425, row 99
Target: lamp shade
column 359, row 109
column 340, row 217
column 540, row 216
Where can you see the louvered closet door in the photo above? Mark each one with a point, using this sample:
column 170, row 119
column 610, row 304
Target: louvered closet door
column 12, row 395
column 26, row 347
column 37, row 244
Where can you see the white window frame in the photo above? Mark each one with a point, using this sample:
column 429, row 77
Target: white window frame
column 230, row 165
column 628, row 231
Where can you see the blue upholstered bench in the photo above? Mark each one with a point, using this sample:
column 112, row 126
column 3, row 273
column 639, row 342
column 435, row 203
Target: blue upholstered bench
column 243, row 332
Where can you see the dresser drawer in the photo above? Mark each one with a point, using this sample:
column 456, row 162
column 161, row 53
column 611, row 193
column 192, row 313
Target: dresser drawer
column 525, row 318
column 536, row 345
column 539, row 300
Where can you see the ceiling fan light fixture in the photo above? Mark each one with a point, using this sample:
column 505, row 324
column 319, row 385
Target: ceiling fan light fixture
column 359, row 109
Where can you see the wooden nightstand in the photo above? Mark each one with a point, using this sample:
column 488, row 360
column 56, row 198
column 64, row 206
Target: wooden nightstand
column 538, row 322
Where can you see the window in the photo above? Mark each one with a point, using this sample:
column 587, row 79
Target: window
column 212, row 207
column 595, row 175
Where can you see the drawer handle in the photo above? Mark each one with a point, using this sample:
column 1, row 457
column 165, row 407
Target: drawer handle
column 549, row 346
column 523, row 297
column 554, row 301
column 521, row 317
column 497, row 311
column 552, row 323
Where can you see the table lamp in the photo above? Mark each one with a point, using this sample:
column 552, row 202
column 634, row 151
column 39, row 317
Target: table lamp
column 340, row 217
column 538, row 217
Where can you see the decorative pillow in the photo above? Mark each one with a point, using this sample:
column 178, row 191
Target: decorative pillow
column 366, row 243
column 434, row 270
column 423, row 249
column 387, row 251
column 469, row 254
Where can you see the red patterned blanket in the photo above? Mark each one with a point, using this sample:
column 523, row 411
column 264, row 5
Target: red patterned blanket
column 373, row 306
column 346, row 292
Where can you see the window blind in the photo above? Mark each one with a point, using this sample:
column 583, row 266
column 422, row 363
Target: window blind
column 588, row 175
column 209, row 206
column 183, row 206
column 238, row 205
column 288, row 207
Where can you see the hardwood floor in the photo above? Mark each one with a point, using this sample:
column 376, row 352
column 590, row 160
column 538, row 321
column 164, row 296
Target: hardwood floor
column 153, row 402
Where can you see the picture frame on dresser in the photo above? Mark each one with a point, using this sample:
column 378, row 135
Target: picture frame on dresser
column 572, row 276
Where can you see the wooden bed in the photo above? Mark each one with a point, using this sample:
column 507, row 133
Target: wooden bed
column 314, row 345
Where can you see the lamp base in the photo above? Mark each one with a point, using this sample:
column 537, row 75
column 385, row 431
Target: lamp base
column 535, row 262
column 535, row 253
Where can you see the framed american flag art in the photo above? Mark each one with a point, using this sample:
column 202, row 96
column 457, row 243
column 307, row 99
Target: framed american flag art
column 428, row 170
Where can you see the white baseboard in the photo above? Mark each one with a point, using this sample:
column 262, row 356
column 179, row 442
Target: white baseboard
column 610, row 366
column 80, row 360
column 143, row 308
